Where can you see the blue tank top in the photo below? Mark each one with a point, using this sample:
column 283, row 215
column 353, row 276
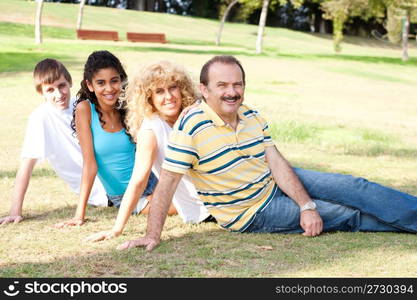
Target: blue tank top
column 115, row 156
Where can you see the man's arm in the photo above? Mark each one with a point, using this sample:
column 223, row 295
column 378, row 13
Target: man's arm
column 159, row 206
column 289, row 183
column 19, row 191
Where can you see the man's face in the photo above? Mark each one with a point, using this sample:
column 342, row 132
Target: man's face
column 224, row 92
column 57, row 93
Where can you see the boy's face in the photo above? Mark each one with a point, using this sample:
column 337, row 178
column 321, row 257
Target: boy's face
column 57, row 93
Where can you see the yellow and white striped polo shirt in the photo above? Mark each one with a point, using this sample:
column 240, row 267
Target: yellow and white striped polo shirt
column 228, row 167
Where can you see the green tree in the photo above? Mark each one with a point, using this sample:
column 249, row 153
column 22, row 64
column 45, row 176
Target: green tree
column 339, row 11
column 397, row 14
column 400, row 13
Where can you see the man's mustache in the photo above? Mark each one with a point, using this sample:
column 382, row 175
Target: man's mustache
column 237, row 97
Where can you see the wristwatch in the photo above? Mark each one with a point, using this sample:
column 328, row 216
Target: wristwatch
column 308, row 206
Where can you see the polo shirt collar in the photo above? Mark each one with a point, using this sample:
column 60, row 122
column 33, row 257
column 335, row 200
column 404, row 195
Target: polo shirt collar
column 215, row 117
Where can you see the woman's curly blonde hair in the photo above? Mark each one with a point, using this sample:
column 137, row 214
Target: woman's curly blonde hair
column 138, row 97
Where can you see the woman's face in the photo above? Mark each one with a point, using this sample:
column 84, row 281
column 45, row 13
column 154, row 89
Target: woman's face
column 167, row 100
column 106, row 85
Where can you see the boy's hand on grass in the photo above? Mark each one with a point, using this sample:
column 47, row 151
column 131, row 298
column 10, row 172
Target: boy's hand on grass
column 102, row 235
column 147, row 242
column 11, row 219
column 72, row 222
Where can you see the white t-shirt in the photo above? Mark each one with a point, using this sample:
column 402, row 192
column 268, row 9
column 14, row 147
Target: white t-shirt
column 186, row 200
column 49, row 136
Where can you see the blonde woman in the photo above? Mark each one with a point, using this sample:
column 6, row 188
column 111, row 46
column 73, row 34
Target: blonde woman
column 155, row 100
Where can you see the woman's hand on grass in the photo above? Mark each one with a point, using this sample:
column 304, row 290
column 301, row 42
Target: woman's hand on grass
column 72, row 222
column 11, row 219
column 102, row 235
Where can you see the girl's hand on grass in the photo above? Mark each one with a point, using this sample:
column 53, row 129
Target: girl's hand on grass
column 102, row 235
column 11, row 219
column 147, row 242
column 72, row 222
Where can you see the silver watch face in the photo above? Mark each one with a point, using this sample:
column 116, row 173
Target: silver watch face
column 312, row 205
column 308, row 206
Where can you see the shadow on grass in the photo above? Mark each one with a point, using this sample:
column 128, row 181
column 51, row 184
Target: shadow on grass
column 361, row 41
column 188, row 42
column 182, row 51
column 37, row 172
column 381, row 150
column 27, row 30
column 94, row 214
column 216, row 253
column 357, row 58
column 26, row 61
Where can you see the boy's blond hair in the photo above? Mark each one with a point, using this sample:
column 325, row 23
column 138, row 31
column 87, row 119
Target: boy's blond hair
column 47, row 71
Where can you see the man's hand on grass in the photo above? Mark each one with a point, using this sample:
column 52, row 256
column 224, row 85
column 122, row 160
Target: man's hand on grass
column 311, row 222
column 148, row 243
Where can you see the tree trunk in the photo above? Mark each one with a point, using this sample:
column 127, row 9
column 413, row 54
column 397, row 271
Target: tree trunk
column 136, row 4
column 80, row 14
column 38, row 30
column 405, row 32
column 150, row 5
column 141, row 5
column 261, row 27
column 226, row 13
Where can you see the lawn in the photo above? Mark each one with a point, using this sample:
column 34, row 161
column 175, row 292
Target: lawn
column 353, row 113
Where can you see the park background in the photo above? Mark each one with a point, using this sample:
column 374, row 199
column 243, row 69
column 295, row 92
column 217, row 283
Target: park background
column 352, row 112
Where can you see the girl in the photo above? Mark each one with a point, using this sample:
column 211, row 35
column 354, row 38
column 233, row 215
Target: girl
column 154, row 102
column 99, row 122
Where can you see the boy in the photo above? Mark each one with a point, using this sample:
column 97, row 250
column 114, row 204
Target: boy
column 49, row 136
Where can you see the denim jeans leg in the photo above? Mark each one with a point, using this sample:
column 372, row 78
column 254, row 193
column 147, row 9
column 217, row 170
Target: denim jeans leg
column 369, row 223
column 116, row 200
column 282, row 215
column 150, row 186
column 387, row 205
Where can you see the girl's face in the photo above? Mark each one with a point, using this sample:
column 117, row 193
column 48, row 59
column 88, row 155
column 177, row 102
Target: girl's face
column 167, row 100
column 106, row 85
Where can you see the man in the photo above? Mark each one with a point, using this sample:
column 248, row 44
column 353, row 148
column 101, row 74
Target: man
column 248, row 186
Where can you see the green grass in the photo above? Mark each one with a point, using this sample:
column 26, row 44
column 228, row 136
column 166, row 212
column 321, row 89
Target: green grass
column 352, row 113
column 27, row 30
column 368, row 74
column 24, row 61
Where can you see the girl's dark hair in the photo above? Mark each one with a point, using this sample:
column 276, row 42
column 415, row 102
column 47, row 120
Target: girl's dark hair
column 96, row 61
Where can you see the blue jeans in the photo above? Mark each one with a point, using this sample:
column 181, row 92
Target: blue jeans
column 116, row 200
column 344, row 202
